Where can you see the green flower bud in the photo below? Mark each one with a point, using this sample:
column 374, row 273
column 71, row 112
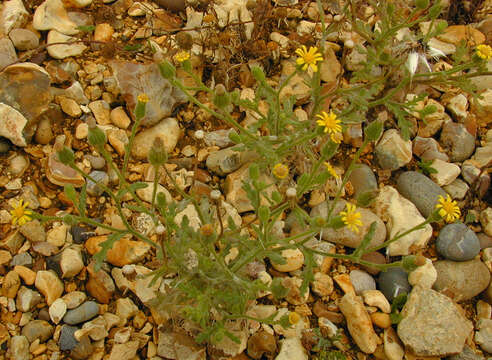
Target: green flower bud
column 168, row 71
column 409, row 263
column 66, row 156
column 221, row 98
column 157, row 154
column 421, row 4
column 96, row 137
column 258, row 74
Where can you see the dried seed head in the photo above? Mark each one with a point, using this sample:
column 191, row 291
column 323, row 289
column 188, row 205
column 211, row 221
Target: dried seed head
column 291, row 192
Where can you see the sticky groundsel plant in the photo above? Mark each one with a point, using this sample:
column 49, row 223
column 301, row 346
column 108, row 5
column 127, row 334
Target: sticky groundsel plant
column 205, row 266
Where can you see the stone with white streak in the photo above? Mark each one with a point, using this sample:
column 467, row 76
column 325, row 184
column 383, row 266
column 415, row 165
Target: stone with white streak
column 51, row 15
column 400, row 215
column 359, row 323
column 13, row 15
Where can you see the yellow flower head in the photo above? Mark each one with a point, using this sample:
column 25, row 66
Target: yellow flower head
column 331, row 125
column 182, row 56
column 294, row 317
column 331, row 170
column 20, row 215
column 280, row 171
column 308, row 57
column 448, row 208
column 484, row 52
column 143, row 98
column 351, row 218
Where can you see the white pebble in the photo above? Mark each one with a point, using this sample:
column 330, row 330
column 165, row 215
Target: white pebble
column 199, row 134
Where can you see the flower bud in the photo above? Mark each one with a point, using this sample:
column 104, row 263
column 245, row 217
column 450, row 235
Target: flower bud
column 66, row 156
column 168, row 71
column 258, row 74
column 157, row 154
column 221, row 98
column 69, row 220
column 291, row 192
column 142, row 101
column 96, row 136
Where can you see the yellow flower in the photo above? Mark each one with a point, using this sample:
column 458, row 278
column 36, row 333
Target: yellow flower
column 20, row 214
column 331, row 125
column 308, row 57
column 351, row 218
column 182, row 56
column 280, row 171
column 294, row 317
column 484, row 52
column 143, row 98
column 448, row 209
column 331, row 170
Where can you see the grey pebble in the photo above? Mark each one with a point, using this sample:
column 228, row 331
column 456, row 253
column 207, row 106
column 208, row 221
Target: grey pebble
column 420, row 190
column 393, row 282
column 362, row 281
column 458, row 141
column 38, row 329
column 457, row 242
column 101, row 178
column 81, row 314
column 363, row 180
column 67, row 339
column 24, row 259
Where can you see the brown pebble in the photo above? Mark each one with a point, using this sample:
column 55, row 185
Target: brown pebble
column 374, row 257
column 381, row 320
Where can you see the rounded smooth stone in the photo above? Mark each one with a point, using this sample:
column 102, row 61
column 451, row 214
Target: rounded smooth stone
column 393, row 282
column 173, row 5
column 420, row 190
column 101, row 178
column 67, row 339
column 24, row 259
column 373, row 257
column 23, row 39
column 363, row 180
column 80, row 234
column 4, row 146
column 81, row 314
column 97, row 162
column 461, row 280
column 38, row 329
column 362, row 281
column 458, row 140
column 457, row 242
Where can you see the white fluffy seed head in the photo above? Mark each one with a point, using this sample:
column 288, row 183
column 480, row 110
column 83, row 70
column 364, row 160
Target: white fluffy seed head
column 160, row 229
column 291, row 192
column 199, row 134
column 215, row 194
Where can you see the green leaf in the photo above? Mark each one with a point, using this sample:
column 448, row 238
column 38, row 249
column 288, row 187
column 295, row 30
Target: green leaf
column 399, row 302
column 86, row 28
column 254, row 172
column 395, row 318
column 303, row 180
column 374, row 130
column 83, row 200
column 277, row 289
column 264, row 214
column 366, row 198
column 359, row 251
column 276, row 197
column 132, row 47
column 106, row 245
column 470, row 218
column 70, row 193
column 276, row 258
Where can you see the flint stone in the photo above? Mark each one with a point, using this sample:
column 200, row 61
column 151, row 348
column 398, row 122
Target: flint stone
column 461, row 280
column 81, row 314
column 8, row 54
column 134, row 79
column 457, row 242
column 432, row 324
column 420, row 190
column 13, row 15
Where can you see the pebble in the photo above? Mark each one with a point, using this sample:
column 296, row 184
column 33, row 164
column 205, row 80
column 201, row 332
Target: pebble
column 101, row 111
column 375, row 258
column 13, row 15
column 167, row 130
column 424, row 275
column 363, row 180
column 486, row 220
column 134, row 79
column 38, row 329
column 376, row 298
column 118, row 140
column 103, row 32
column 359, row 323
column 218, row 138
column 458, row 142
column 44, row 131
column 67, row 339
column 51, row 14
column 48, row 283
column 123, row 252
column 100, row 285
column 74, row 299
column 381, row 320
column 13, row 122
column 27, row 299
column 19, row 348
column 11, row 284
column 57, row 310
column 291, row 348
column 392, row 152
column 224, row 161
column 457, row 189
column 57, row 235
column 466, row 354
column 432, row 338
column 100, row 177
column 393, row 282
column 81, row 314
column 126, row 309
column 322, row 285
column 294, row 259
column 457, row 242
column 461, row 280
column 80, row 234
column 33, row 231
column 345, row 236
column 483, row 336
column 69, row 106
column 401, row 215
column 71, row 262
column 82, row 350
column 446, row 172
column 362, row 281
column 428, row 149
column 420, row 190
column 119, row 118
column 7, row 50
column 63, row 51
column 24, row 39
column 261, row 343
